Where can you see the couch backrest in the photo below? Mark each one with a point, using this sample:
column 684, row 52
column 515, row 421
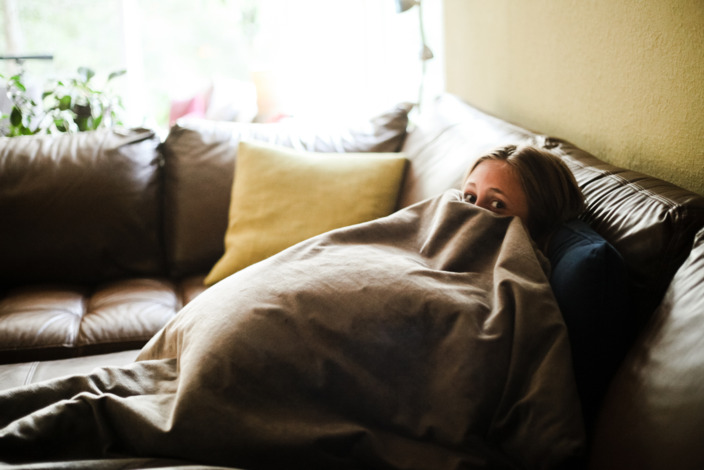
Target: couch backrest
column 445, row 139
column 79, row 207
column 199, row 172
column 651, row 222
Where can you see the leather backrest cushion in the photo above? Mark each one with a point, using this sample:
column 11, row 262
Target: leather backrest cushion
column 447, row 138
column 199, row 172
column 653, row 415
column 79, row 207
column 651, row 222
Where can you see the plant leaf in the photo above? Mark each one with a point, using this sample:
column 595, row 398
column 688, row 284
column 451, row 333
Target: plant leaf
column 117, row 73
column 65, row 102
column 82, row 123
column 17, row 80
column 16, row 117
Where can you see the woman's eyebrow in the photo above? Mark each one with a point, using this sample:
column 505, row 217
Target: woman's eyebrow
column 472, row 185
column 496, row 190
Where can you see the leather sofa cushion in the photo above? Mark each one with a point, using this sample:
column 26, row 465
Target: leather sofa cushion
column 79, row 207
column 448, row 137
column 199, row 172
column 16, row 375
column 653, row 415
column 58, row 321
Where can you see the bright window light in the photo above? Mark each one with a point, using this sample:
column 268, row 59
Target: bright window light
column 231, row 59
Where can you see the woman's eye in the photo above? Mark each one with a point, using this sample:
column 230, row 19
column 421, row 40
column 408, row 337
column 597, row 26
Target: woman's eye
column 470, row 198
column 497, row 204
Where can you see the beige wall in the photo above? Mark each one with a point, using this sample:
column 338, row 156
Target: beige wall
column 623, row 79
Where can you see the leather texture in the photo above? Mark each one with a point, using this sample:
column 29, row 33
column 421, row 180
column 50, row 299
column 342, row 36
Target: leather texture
column 445, row 140
column 653, row 416
column 651, row 222
column 80, row 207
column 49, row 321
column 16, row 375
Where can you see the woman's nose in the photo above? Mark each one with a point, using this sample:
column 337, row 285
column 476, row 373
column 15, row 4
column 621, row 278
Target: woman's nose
column 481, row 202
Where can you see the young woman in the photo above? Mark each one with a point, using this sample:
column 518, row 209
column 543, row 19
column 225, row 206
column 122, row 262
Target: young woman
column 528, row 182
column 588, row 275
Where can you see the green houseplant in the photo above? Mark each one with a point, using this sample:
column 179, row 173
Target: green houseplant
column 72, row 105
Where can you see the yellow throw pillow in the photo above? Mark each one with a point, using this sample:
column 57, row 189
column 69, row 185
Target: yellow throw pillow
column 282, row 196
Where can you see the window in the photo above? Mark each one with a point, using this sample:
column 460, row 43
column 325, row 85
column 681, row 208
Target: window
column 231, row 59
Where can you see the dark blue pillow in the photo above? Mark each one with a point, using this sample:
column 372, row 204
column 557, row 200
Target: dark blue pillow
column 591, row 286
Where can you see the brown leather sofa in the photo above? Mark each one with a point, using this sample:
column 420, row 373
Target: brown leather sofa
column 105, row 236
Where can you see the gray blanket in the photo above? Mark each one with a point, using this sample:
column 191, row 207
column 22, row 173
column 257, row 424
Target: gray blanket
column 428, row 339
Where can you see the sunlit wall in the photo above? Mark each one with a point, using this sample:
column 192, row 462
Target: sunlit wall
column 622, row 79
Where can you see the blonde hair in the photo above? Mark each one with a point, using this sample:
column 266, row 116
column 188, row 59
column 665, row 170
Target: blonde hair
column 551, row 190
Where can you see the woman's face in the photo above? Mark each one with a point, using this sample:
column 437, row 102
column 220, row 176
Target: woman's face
column 494, row 185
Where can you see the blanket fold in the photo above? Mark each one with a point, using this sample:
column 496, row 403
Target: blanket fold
column 428, row 339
